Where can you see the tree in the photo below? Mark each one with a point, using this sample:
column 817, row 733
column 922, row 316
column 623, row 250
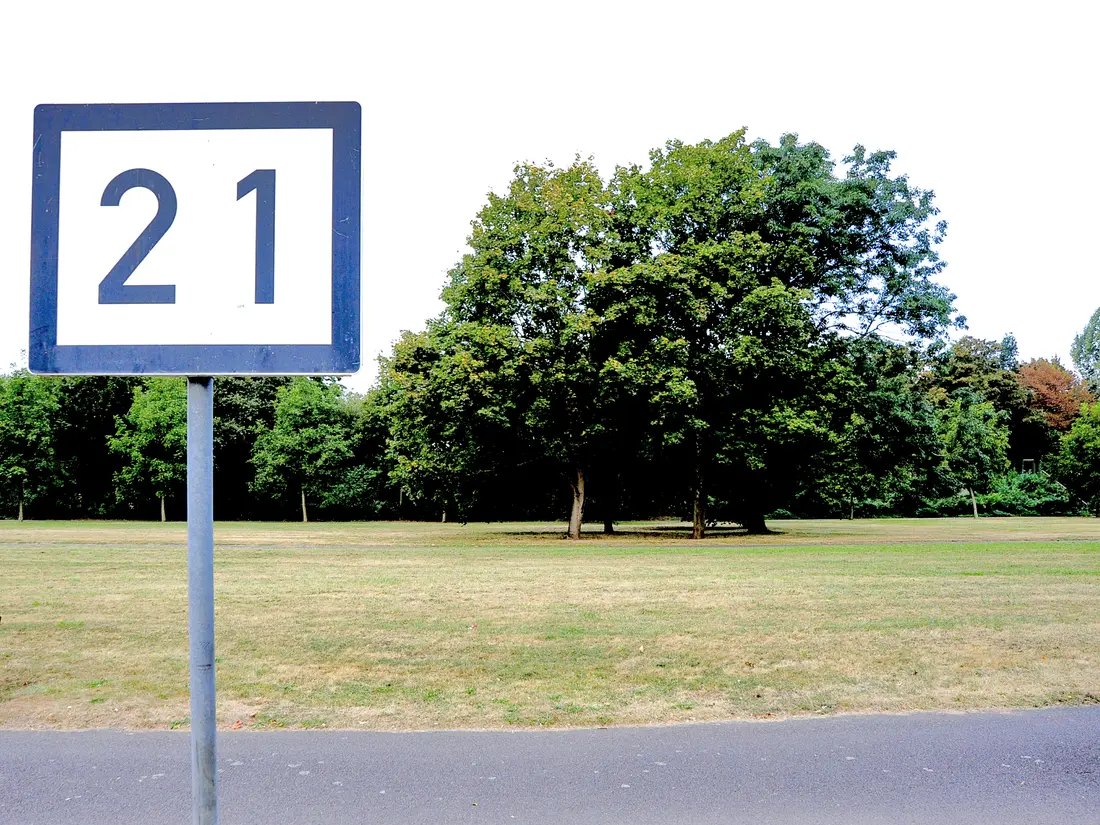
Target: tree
column 887, row 449
column 243, row 407
column 1085, row 352
column 366, row 489
column 307, row 449
column 1010, row 352
column 454, row 407
column 975, row 441
column 28, row 408
column 1077, row 464
column 864, row 243
column 513, row 359
column 748, row 263
column 89, row 407
column 152, row 442
column 979, row 365
column 1055, row 391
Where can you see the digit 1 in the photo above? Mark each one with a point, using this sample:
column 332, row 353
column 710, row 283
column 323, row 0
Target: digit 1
column 263, row 182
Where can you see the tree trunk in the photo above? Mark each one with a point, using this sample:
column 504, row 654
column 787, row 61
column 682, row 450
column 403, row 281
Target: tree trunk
column 612, row 506
column 698, row 510
column 974, row 502
column 20, row 508
column 754, row 523
column 851, row 509
column 163, row 514
column 577, row 514
column 305, row 514
column 444, row 519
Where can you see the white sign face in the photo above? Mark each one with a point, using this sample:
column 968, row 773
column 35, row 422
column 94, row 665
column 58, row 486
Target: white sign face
column 196, row 239
column 208, row 253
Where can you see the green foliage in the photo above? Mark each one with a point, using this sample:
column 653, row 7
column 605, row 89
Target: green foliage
column 748, row 262
column 28, row 409
column 1011, row 494
column 863, row 243
column 1077, row 464
column 976, row 364
column 452, row 407
column 88, row 411
column 735, row 329
column 885, row 454
column 512, row 362
column 1028, row 494
column 979, row 365
column 366, row 489
column 243, row 407
column 1085, row 353
column 974, row 439
column 308, row 447
column 1010, row 352
column 151, row 440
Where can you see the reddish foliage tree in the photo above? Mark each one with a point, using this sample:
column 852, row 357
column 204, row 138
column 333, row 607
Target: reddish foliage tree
column 1055, row 391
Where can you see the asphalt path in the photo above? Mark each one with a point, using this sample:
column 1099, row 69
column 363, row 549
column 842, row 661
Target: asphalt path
column 1031, row 767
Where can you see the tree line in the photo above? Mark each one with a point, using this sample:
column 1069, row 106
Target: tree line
column 738, row 331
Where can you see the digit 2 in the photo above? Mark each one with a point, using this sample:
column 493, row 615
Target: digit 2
column 113, row 289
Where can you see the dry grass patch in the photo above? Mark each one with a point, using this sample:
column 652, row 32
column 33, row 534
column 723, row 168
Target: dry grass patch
column 396, row 626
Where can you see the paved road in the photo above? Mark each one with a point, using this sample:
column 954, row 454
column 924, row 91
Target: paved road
column 1031, row 767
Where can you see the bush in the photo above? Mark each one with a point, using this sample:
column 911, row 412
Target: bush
column 1013, row 494
column 1028, row 494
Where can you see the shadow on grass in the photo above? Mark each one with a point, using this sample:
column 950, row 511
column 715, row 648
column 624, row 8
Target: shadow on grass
column 661, row 532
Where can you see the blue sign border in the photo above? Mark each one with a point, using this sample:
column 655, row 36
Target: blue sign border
column 341, row 358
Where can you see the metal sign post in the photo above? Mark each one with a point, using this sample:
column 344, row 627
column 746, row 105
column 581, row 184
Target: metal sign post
column 237, row 254
column 200, row 598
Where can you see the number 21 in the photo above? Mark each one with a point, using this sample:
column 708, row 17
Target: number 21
column 114, row 290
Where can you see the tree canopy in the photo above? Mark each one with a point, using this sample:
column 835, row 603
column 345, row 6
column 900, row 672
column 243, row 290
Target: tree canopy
column 307, row 447
column 28, row 408
column 152, row 441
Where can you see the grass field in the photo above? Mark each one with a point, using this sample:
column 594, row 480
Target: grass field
column 414, row 626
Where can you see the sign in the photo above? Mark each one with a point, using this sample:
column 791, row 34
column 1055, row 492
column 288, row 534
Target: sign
column 196, row 239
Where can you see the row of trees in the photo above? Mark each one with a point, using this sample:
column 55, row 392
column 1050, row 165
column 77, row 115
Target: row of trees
column 736, row 330
column 912, row 433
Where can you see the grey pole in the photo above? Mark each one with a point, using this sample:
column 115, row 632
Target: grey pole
column 200, row 598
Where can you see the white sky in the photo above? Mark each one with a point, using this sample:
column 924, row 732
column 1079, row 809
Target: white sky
column 992, row 105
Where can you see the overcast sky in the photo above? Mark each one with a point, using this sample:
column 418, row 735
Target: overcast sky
column 991, row 105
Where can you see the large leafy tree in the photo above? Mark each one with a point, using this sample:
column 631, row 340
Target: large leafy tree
column 453, row 399
column 738, row 266
column 28, row 409
column 514, row 358
column 151, row 440
column 696, row 315
column 308, row 447
column 886, row 449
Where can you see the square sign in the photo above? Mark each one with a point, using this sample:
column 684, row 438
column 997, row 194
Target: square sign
column 196, row 239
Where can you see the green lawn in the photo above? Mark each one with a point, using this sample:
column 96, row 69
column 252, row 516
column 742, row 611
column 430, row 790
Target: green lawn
column 414, row 626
